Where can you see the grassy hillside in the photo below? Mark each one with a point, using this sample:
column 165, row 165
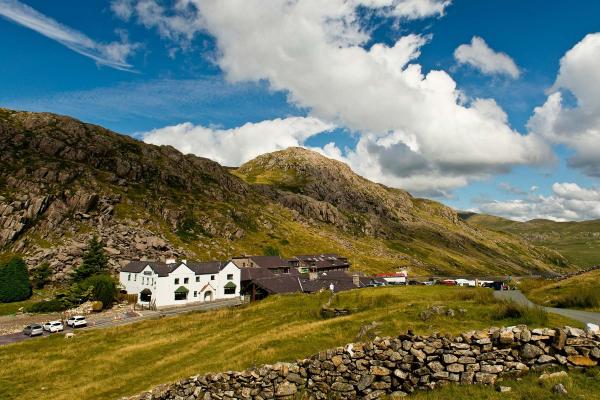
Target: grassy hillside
column 580, row 291
column 64, row 181
column 114, row 362
column 579, row 242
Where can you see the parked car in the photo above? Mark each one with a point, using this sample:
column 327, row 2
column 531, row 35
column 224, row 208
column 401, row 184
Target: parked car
column 54, row 326
column 77, row 321
column 33, row 330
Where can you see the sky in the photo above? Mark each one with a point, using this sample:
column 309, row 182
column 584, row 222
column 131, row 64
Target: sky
column 487, row 106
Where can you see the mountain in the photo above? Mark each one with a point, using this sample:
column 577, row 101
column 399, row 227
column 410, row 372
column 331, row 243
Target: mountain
column 62, row 181
column 579, row 242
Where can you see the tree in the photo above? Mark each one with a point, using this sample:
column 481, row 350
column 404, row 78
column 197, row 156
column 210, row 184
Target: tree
column 102, row 287
column 94, row 261
column 41, row 275
column 14, row 281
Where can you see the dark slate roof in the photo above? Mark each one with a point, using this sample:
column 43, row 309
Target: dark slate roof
column 324, row 261
column 248, row 274
column 279, row 284
column 341, row 281
column 269, row 261
column 163, row 269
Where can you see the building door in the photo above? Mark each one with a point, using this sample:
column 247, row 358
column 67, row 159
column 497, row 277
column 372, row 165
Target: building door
column 146, row 296
column 208, row 295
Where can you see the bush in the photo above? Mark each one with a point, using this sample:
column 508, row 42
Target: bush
column 102, row 288
column 521, row 314
column 41, row 275
column 14, row 281
column 54, row 305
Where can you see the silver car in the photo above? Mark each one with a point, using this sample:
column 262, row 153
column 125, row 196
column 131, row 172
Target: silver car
column 33, row 330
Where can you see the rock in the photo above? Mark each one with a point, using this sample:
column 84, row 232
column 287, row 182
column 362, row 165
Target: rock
column 543, row 359
column 286, row 389
column 485, row 379
column 582, row 361
column 531, row 351
column 554, row 375
column 503, row 389
column 592, row 328
column 380, row 371
column 560, row 389
column 365, row 381
column 337, row 360
column 506, row 336
column 449, row 358
column 455, row 368
column 341, row 387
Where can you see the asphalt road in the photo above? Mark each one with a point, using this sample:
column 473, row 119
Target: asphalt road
column 19, row 337
column 577, row 315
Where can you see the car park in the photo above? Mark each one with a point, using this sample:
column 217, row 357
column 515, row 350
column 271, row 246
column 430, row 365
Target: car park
column 33, row 330
column 77, row 321
column 53, row 326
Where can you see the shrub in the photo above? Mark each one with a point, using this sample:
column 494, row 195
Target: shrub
column 14, row 281
column 102, row 288
column 54, row 305
column 270, row 251
column 521, row 314
column 94, row 262
column 41, row 275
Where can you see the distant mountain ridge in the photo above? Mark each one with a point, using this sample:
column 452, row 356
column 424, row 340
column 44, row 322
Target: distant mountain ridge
column 63, row 181
column 579, row 242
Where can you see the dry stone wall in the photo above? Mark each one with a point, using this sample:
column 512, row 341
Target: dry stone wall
column 397, row 366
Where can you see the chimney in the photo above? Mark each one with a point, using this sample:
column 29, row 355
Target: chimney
column 170, row 261
column 356, row 280
column 184, row 261
column 312, row 275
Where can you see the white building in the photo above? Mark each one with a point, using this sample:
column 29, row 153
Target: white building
column 398, row 278
column 174, row 283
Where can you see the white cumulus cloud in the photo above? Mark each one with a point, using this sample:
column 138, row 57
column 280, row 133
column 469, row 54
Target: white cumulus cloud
column 480, row 56
column 235, row 146
column 568, row 202
column 417, row 129
column 575, row 125
column 114, row 54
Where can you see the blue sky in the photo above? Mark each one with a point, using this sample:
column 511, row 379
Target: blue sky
column 147, row 67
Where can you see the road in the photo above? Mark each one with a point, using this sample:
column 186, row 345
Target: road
column 577, row 315
column 107, row 323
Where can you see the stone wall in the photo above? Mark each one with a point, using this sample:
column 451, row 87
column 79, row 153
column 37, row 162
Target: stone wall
column 398, row 366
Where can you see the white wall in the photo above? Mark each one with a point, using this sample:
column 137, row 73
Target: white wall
column 163, row 289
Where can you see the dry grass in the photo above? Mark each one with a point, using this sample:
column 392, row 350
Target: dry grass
column 582, row 291
column 114, row 362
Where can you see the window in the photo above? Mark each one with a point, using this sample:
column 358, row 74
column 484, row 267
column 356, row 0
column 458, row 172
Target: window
column 197, row 279
column 195, row 293
column 186, row 280
column 134, row 277
column 180, row 296
column 128, row 277
column 177, row 281
column 212, row 277
column 229, row 290
column 229, row 277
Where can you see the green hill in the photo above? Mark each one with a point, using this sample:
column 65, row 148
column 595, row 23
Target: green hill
column 579, row 242
column 63, row 181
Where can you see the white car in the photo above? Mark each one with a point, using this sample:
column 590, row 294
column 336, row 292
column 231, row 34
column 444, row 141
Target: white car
column 77, row 321
column 53, row 326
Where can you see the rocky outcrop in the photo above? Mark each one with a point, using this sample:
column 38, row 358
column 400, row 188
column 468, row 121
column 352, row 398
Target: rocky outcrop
column 398, row 366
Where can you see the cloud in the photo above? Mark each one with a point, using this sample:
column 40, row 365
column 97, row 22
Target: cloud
column 480, row 56
column 569, row 202
column 112, row 55
column 417, row 9
column 316, row 53
column 575, row 125
column 508, row 188
column 235, row 146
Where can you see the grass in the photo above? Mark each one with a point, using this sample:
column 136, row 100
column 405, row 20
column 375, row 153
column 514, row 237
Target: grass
column 114, row 362
column 579, row 385
column 580, row 291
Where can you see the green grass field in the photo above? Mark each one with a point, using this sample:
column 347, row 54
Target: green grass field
column 114, row 362
column 13, row 308
column 580, row 292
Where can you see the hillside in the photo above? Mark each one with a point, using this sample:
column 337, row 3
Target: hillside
column 63, row 181
column 579, row 242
